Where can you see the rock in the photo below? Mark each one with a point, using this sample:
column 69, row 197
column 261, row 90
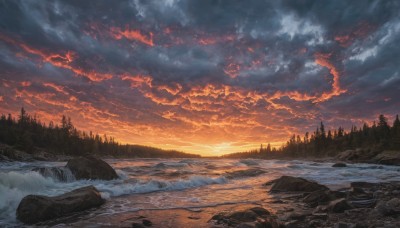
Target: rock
column 278, row 201
column 389, row 208
column 147, row 222
column 138, row 225
column 244, row 173
column 358, row 198
column 321, row 196
column 44, row 156
column 292, row 224
column 300, row 216
column 91, row 168
column 358, row 155
column 361, row 184
column 387, row 158
column 339, row 206
column 61, row 174
column 322, row 216
column 344, row 225
column 252, row 217
column 35, row 208
column 348, row 155
column 11, row 154
column 339, row 165
column 296, row 184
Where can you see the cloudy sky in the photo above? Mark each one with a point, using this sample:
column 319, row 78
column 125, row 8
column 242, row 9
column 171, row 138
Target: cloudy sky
column 204, row 76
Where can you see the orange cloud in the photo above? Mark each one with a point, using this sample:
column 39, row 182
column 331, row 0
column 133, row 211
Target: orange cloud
column 136, row 35
column 323, row 60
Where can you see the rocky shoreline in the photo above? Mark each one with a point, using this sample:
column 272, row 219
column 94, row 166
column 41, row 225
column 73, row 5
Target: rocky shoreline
column 360, row 205
column 300, row 202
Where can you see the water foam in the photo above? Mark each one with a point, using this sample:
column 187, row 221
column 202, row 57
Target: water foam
column 15, row 185
column 158, row 185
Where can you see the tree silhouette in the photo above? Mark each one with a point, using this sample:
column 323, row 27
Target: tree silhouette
column 31, row 135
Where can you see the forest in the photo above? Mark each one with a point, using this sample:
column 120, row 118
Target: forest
column 379, row 136
column 27, row 133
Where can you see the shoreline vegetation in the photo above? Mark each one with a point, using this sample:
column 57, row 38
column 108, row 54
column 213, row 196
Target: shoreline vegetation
column 27, row 136
column 362, row 143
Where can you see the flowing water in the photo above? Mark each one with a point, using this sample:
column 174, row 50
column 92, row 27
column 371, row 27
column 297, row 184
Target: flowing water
column 170, row 189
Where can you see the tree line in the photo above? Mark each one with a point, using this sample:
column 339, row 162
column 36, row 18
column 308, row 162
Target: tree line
column 379, row 136
column 29, row 134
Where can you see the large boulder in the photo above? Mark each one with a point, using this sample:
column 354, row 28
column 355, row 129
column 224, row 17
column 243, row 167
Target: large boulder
column 387, row 158
column 35, row 208
column 91, row 168
column 295, row 184
column 252, row 217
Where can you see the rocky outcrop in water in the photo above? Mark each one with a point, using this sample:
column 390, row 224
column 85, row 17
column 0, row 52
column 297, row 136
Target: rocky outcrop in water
column 80, row 168
column 249, row 218
column 91, row 168
column 35, row 208
column 295, row 184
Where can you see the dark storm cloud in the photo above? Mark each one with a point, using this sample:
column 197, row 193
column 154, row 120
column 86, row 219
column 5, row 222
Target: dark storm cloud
column 201, row 67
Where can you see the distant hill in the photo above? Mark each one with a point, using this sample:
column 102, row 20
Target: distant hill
column 27, row 133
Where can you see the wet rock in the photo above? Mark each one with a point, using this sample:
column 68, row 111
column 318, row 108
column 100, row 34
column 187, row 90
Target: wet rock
column 292, row 224
column 344, row 225
column 296, row 184
column 358, row 155
column 339, row 206
column 389, row 208
column 388, row 158
column 297, row 215
column 138, row 225
column 278, row 201
column 253, row 217
column 337, row 165
column 35, row 208
column 322, row 216
column 147, row 222
column 361, row 184
column 322, row 196
column 244, row 173
column 44, row 156
column 348, row 155
column 91, row 168
column 10, row 154
column 358, row 198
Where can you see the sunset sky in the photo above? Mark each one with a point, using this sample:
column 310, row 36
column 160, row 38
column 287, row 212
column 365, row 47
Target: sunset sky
column 208, row 77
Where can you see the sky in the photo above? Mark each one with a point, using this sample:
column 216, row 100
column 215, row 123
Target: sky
column 208, row 77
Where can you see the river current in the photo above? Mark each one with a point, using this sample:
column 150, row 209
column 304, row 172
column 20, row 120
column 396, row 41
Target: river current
column 161, row 186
